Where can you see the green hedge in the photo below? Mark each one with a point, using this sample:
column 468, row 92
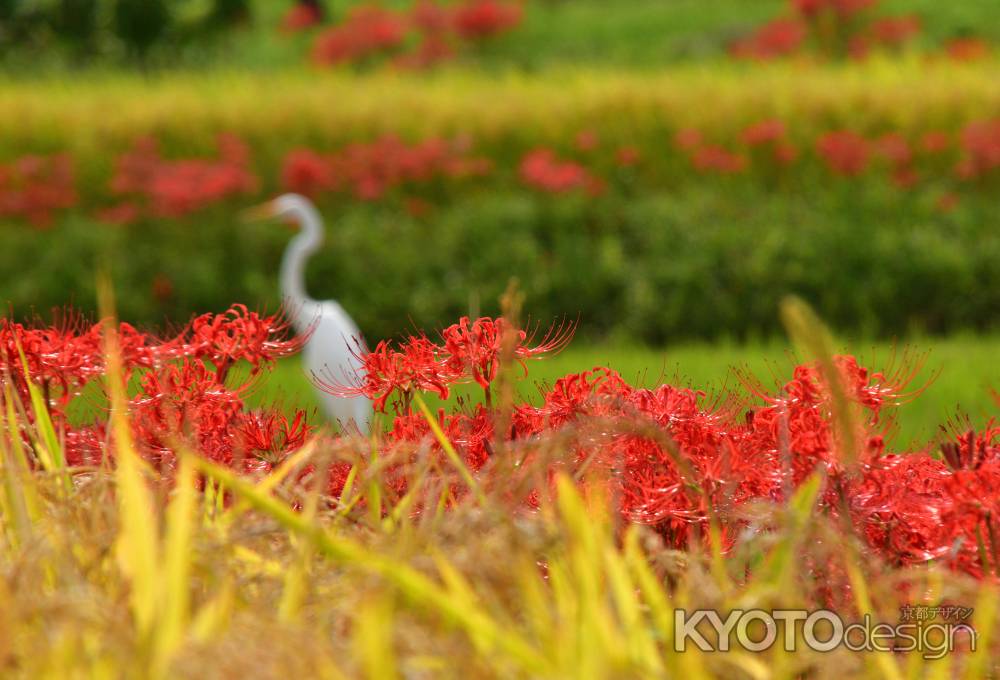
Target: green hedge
column 701, row 262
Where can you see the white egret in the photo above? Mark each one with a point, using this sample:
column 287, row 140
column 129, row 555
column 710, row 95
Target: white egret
column 334, row 340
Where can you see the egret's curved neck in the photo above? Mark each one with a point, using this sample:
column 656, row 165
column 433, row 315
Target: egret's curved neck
column 293, row 265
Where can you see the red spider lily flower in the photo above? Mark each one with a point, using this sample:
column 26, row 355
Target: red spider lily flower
column 269, row 436
column 809, row 8
column 35, row 187
column 935, row 141
column 968, row 49
column 947, row 202
column 417, row 207
column 367, row 30
column 771, row 134
column 627, row 156
column 432, row 18
column 240, row 335
column 971, row 449
column 62, row 359
column 180, row 187
column 57, row 358
column 894, row 31
column 778, row 38
column 764, row 132
column 478, row 19
column 473, row 347
column 898, row 505
column 687, row 139
column 470, row 435
column 785, row 153
column 121, row 213
column 980, row 142
column 859, row 47
column 419, row 365
column 300, row 17
column 306, row 172
column 542, row 170
column 432, row 49
column 181, row 401
column 593, row 392
column 845, row 152
column 894, row 148
column 905, row 177
column 587, row 140
column 85, row 446
column 369, row 170
column 712, row 158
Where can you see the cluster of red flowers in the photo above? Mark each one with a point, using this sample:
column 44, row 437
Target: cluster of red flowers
column 147, row 184
column 834, row 27
column 34, row 187
column 427, row 33
column 981, row 146
column 368, row 171
column 469, row 350
column 185, row 384
column 543, row 170
column 301, row 16
column 674, row 460
column 975, row 154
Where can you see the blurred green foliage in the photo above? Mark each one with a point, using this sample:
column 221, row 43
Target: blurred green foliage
column 636, row 34
column 697, row 262
column 71, row 33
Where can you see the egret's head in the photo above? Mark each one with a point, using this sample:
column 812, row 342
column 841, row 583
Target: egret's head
column 290, row 208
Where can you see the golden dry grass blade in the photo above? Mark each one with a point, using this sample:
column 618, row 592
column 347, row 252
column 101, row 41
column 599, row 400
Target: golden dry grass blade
column 138, row 535
column 43, row 434
column 449, row 450
column 982, row 662
column 809, row 333
column 423, row 593
column 373, row 638
column 175, row 605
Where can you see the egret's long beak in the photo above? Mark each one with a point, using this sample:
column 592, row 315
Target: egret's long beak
column 264, row 211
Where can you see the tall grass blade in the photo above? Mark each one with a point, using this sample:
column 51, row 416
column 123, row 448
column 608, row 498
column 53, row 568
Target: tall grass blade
column 177, row 557
column 809, row 333
column 417, row 588
column 137, row 544
column 449, row 450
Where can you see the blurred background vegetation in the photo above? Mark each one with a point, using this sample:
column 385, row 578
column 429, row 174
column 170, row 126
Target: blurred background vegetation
column 664, row 252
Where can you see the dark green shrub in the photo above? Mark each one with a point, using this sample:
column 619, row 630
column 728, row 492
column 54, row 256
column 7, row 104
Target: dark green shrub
column 140, row 24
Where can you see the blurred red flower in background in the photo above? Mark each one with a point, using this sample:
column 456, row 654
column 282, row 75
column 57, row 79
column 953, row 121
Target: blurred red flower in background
column 483, row 18
column 543, row 170
column 968, row 49
column 980, row 143
column 716, row 158
column 301, row 16
column 894, row 31
column 173, row 188
column 370, row 170
column 367, row 30
column 845, row 152
column 35, row 187
column 777, row 38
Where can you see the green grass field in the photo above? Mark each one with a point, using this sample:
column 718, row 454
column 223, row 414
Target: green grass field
column 966, row 368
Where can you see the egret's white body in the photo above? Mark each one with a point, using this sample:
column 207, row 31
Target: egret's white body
column 334, row 341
